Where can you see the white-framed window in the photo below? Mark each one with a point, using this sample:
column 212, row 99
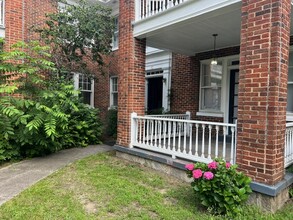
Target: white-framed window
column 115, row 38
column 2, row 13
column 211, row 87
column 113, row 92
column 290, row 88
column 86, row 86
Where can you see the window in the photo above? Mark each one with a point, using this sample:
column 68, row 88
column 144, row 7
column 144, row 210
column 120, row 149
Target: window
column 210, row 87
column 114, row 91
column 2, row 12
column 115, row 39
column 86, row 86
column 290, row 87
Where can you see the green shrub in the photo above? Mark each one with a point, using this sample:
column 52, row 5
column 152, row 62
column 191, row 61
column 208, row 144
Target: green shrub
column 219, row 186
column 40, row 113
column 111, row 129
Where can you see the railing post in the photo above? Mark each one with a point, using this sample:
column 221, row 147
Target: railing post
column 187, row 125
column 235, row 136
column 133, row 129
column 138, row 10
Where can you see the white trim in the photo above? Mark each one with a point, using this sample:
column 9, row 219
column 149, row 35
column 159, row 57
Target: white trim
column 92, row 90
column 182, row 12
column 210, row 114
column 111, row 92
column 2, row 14
column 225, row 88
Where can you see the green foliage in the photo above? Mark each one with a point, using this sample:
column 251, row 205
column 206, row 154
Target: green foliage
column 39, row 112
column 112, row 123
column 78, row 34
column 84, row 126
column 219, row 186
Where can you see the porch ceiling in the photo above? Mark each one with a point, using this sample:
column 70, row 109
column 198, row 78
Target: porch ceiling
column 195, row 34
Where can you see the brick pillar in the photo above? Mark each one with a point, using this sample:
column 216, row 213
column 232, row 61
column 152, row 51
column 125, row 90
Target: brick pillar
column 264, row 52
column 131, row 77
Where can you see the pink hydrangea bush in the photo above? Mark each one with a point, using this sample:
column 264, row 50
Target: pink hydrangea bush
column 219, row 186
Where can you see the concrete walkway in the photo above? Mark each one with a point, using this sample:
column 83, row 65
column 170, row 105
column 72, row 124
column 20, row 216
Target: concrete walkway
column 19, row 176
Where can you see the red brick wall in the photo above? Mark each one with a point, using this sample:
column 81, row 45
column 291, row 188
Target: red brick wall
column 186, row 81
column 36, row 11
column 102, row 84
column 14, row 29
column 263, row 89
column 131, row 79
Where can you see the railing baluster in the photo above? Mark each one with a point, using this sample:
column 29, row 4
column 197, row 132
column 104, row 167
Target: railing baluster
column 164, row 134
column 224, row 142
column 179, row 137
column 217, row 141
column 232, row 144
column 196, row 140
column 202, row 141
column 148, row 131
column 184, row 137
column 156, row 132
column 140, row 131
column 160, row 133
column 144, row 131
column 210, row 142
column 169, row 134
column 174, row 135
column 152, row 132
column 190, row 139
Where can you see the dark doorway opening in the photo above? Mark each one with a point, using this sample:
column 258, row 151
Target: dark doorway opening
column 233, row 101
column 155, row 94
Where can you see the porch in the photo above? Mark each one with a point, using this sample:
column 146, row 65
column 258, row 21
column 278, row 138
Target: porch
column 177, row 136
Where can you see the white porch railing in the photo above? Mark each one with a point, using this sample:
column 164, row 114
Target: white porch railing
column 147, row 8
column 289, row 144
column 193, row 140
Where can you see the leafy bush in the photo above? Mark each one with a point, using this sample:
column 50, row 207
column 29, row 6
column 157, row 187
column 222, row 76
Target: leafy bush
column 111, row 129
column 219, row 186
column 40, row 112
column 84, row 126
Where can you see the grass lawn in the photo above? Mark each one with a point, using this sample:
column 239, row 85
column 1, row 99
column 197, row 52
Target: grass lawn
column 105, row 187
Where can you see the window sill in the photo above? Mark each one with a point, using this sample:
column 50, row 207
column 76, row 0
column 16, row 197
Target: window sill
column 210, row 114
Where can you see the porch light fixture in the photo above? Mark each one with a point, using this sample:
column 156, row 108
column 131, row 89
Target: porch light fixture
column 214, row 61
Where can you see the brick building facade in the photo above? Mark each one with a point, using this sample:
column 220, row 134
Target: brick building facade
column 260, row 57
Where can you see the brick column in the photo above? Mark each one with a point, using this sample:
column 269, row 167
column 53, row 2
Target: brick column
column 264, row 52
column 131, row 77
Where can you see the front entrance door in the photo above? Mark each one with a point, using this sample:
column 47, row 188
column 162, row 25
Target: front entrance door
column 155, row 94
column 233, row 102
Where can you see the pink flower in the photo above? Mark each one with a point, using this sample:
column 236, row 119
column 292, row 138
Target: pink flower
column 189, row 166
column 197, row 173
column 213, row 165
column 208, row 175
column 228, row 165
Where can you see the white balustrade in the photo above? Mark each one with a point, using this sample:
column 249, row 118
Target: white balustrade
column 289, row 144
column 147, row 8
column 178, row 136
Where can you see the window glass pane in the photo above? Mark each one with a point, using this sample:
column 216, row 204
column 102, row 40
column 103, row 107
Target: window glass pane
column 86, row 97
column 212, row 75
column 211, row 98
column 290, row 98
column 115, row 99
